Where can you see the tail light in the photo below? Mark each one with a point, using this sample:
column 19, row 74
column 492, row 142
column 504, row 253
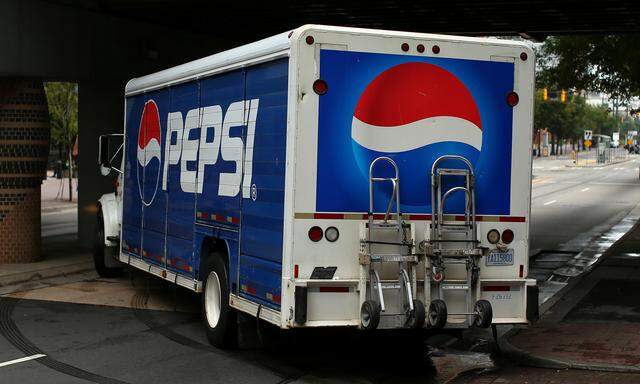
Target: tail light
column 493, row 236
column 315, row 234
column 320, row 87
column 507, row 236
column 332, row 234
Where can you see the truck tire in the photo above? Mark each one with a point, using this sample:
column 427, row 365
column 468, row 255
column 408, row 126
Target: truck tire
column 100, row 252
column 220, row 319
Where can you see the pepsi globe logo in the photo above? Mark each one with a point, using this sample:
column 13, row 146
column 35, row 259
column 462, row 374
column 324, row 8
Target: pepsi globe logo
column 414, row 113
column 149, row 153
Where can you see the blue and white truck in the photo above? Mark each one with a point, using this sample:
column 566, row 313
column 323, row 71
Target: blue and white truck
column 331, row 176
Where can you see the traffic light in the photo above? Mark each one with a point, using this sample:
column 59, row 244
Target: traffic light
column 545, row 94
column 563, row 96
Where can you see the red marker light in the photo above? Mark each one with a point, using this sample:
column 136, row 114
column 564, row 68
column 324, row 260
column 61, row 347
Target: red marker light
column 295, row 271
column 435, row 49
column 315, row 234
column 405, row 47
column 523, row 56
column 420, row 48
column 309, row 40
column 512, row 99
column 507, row 236
column 320, row 87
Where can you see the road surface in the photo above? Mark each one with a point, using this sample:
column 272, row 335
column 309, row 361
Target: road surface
column 136, row 337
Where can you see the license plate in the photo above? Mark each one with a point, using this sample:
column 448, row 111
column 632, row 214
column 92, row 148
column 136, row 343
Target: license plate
column 497, row 258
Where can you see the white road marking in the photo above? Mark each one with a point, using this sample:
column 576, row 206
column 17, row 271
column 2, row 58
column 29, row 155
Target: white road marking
column 550, row 202
column 585, row 189
column 21, row 360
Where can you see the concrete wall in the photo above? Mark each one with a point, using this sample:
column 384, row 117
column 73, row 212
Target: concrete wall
column 99, row 52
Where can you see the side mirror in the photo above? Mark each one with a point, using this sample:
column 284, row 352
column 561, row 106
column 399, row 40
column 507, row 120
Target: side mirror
column 105, row 157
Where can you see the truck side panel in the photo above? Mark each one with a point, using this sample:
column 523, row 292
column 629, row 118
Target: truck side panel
column 263, row 202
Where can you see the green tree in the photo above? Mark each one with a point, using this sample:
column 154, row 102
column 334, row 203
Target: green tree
column 63, row 115
column 601, row 63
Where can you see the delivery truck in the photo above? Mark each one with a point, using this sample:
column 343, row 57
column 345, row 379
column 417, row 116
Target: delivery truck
column 331, row 177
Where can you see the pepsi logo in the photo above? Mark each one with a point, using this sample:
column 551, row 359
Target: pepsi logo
column 413, row 105
column 415, row 112
column 149, row 152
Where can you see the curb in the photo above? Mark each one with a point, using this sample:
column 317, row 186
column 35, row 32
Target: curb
column 532, row 360
column 45, row 273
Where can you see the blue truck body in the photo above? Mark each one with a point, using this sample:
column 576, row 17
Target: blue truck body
column 165, row 221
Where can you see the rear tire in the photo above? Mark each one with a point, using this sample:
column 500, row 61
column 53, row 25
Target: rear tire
column 101, row 252
column 220, row 319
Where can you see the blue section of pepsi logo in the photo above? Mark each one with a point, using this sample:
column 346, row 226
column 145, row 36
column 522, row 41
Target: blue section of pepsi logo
column 343, row 164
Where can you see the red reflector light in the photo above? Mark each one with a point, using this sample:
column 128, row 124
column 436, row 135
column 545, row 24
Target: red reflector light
column 405, row 47
column 523, row 56
column 435, row 49
column 438, row 276
column 512, row 99
column 507, row 236
column 320, row 87
column 420, row 48
column 334, row 289
column 521, row 270
column 309, row 40
column 295, row 271
column 315, row 234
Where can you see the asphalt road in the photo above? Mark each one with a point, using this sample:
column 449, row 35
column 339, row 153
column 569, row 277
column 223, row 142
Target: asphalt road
column 134, row 344
column 570, row 206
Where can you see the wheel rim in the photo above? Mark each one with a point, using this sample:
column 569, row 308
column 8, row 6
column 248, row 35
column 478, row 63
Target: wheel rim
column 433, row 316
column 366, row 317
column 479, row 316
column 212, row 299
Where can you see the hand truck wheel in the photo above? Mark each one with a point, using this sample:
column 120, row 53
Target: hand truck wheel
column 370, row 315
column 416, row 317
column 437, row 316
column 483, row 314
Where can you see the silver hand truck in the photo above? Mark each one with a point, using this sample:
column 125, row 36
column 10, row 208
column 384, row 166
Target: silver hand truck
column 388, row 240
column 453, row 242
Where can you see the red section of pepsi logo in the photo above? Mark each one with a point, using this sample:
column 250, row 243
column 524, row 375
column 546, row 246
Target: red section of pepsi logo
column 414, row 91
column 149, row 124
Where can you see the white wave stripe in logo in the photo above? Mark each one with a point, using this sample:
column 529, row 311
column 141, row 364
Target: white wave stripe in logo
column 416, row 134
column 152, row 150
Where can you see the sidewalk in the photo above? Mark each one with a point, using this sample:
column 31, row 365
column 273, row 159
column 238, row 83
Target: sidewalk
column 596, row 325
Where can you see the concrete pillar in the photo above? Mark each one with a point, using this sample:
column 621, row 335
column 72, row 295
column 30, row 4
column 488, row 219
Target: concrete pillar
column 100, row 111
column 24, row 147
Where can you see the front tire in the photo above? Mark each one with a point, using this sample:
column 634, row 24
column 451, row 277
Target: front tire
column 101, row 252
column 219, row 318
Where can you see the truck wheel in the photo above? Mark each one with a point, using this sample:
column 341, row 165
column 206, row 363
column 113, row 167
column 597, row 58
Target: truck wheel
column 417, row 316
column 437, row 317
column 483, row 314
column 219, row 318
column 370, row 315
column 101, row 252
